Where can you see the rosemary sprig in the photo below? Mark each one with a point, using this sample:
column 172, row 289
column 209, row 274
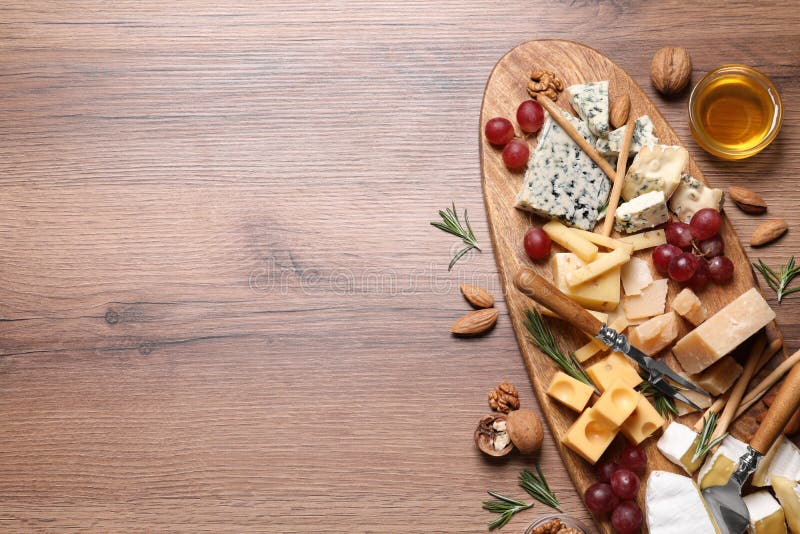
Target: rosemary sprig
column 505, row 506
column 452, row 225
column 664, row 404
column 779, row 281
column 537, row 487
column 705, row 443
column 542, row 337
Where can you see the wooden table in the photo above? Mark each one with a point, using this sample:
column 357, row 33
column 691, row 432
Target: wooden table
column 222, row 307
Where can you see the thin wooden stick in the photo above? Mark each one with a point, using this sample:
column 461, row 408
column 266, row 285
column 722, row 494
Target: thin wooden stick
column 622, row 163
column 555, row 113
column 767, row 383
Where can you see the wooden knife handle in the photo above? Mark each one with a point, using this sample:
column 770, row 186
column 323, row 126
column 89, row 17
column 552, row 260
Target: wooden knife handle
column 549, row 296
column 782, row 408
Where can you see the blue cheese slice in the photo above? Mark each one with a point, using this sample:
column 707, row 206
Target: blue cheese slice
column 645, row 211
column 691, row 196
column 590, row 101
column 655, row 168
column 642, row 135
column 562, row 181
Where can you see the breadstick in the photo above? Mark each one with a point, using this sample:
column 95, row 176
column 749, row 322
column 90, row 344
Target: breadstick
column 622, row 163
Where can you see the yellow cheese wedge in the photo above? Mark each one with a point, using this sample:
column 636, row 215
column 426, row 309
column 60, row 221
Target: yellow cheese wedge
column 601, row 316
column 643, row 422
column 600, row 294
column 720, row 377
column 655, row 334
column 595, row 346
column 580, row 246
column 688, row 305
column 615, row 366
column 766, row 515
column 572, row 393
column 603, row 264
column 788, row 493
column 617, row 403
column 645, row 240
column 723, row 332
column 649, row 303
column 589, row 436
column 604, row 241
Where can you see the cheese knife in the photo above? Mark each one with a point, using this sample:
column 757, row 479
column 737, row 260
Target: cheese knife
column 725, row 502
column 546, row 294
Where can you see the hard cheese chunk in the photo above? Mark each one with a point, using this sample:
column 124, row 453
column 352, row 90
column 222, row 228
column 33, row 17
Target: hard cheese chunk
column 615, row 366
column 674, row 505
column 617, row 403
column 649, row 303
column 603, row 241
column 643, row 422
column 702, row 401
column 597, row 268
column 691, row 196
column 788, row 493
column 719, row 378
column 600, row 294
column 575, row 243
column 655, row 334
column 642, row 135
column 688, row 306
column 645, row 211
column 723, row 332
column 636, row 276
column 719, row 467
column 645, row 240
column 655, row 168
column 677, row 444
column 562, row 181
column 782, row 459
column 572, row 393
column 590, row 101
column 590, row 435
column 595, row 346
column 766, row 515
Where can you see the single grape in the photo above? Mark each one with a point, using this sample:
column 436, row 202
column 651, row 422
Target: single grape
column 662, row 255
column 711, row 247
column 625, row 483
column 683, row 267
column 605, row 470
column 600, row 499
column 679, row 234
column 705, row 223
column 515, row 154
column 633, row 458
column 537, row 243
column 627, row 518
column 700, row 277
column 720, row 269
column 499, row 131
column 530, row 116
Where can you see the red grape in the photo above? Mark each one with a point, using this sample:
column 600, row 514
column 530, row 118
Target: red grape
column 515, row 154
column 605, row 470
column 499, row 131
column 600, row 499
column 712, row 247
column 530, row 116
column 679, row 234
column 537, row 243
column 720, row 269
column 705, row 223
column 683, row 267
column 633, row 458
column 662, row 255
column 627, row 518
column 625, row 483
column 700, row 277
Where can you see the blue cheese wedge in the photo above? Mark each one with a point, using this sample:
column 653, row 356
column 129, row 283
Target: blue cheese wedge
column 655, row 168
column 766, row 515
column 642, row 136
column 590, row 101
column 674, row 505
column 691, row 196
column 562, row 181
column 645, row 211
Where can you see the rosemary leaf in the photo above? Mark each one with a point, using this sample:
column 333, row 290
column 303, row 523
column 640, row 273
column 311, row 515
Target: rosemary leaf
column 663, row 404
column 452, row 225
column 779, row 281
column 543, row 338
column 537, row 487
column 705, row 443
column 505, row 506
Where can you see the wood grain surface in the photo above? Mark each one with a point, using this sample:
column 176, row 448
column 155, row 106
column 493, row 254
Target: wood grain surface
column 222, row 307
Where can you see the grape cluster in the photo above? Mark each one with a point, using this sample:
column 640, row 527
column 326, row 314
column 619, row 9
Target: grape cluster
column 694, row 252
column 616, row 490
column 500, row 132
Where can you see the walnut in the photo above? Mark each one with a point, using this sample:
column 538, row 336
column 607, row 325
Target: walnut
column 546, row 83
column 554, row 526
column 504, row 398
column 492, row 437
column 671, row 70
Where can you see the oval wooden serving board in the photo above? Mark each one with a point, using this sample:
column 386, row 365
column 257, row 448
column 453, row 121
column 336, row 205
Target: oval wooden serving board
column 505, row 90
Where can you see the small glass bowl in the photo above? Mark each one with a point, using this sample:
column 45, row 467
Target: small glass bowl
column 705, row 140
column 567, row 520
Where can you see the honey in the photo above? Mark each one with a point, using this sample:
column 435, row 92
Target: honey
column 735, row 112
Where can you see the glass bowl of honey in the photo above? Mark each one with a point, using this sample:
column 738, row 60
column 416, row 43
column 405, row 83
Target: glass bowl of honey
column 735, row 112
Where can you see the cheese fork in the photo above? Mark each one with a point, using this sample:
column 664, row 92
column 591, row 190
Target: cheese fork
column 546, row 294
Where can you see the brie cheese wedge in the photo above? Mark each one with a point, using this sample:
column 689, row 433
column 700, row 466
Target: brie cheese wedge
column 674, row 505
column 677, row 444
column 788, row 493
column 783, row 459
column 719, row 467
column 766, row 515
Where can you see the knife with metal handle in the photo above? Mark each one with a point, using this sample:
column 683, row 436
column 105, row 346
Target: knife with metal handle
column 546, row 294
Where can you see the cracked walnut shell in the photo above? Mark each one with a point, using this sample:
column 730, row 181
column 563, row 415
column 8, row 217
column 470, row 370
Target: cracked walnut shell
column 504, row 398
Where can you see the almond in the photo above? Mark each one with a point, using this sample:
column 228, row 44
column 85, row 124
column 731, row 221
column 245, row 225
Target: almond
column 768, row 231
column 475, row 322
column 747, row 200
column 620, row 109
column 477, row 296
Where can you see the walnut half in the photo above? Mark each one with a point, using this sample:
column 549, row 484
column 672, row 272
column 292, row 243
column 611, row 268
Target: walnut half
column 492, row 437
column 504, row 398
